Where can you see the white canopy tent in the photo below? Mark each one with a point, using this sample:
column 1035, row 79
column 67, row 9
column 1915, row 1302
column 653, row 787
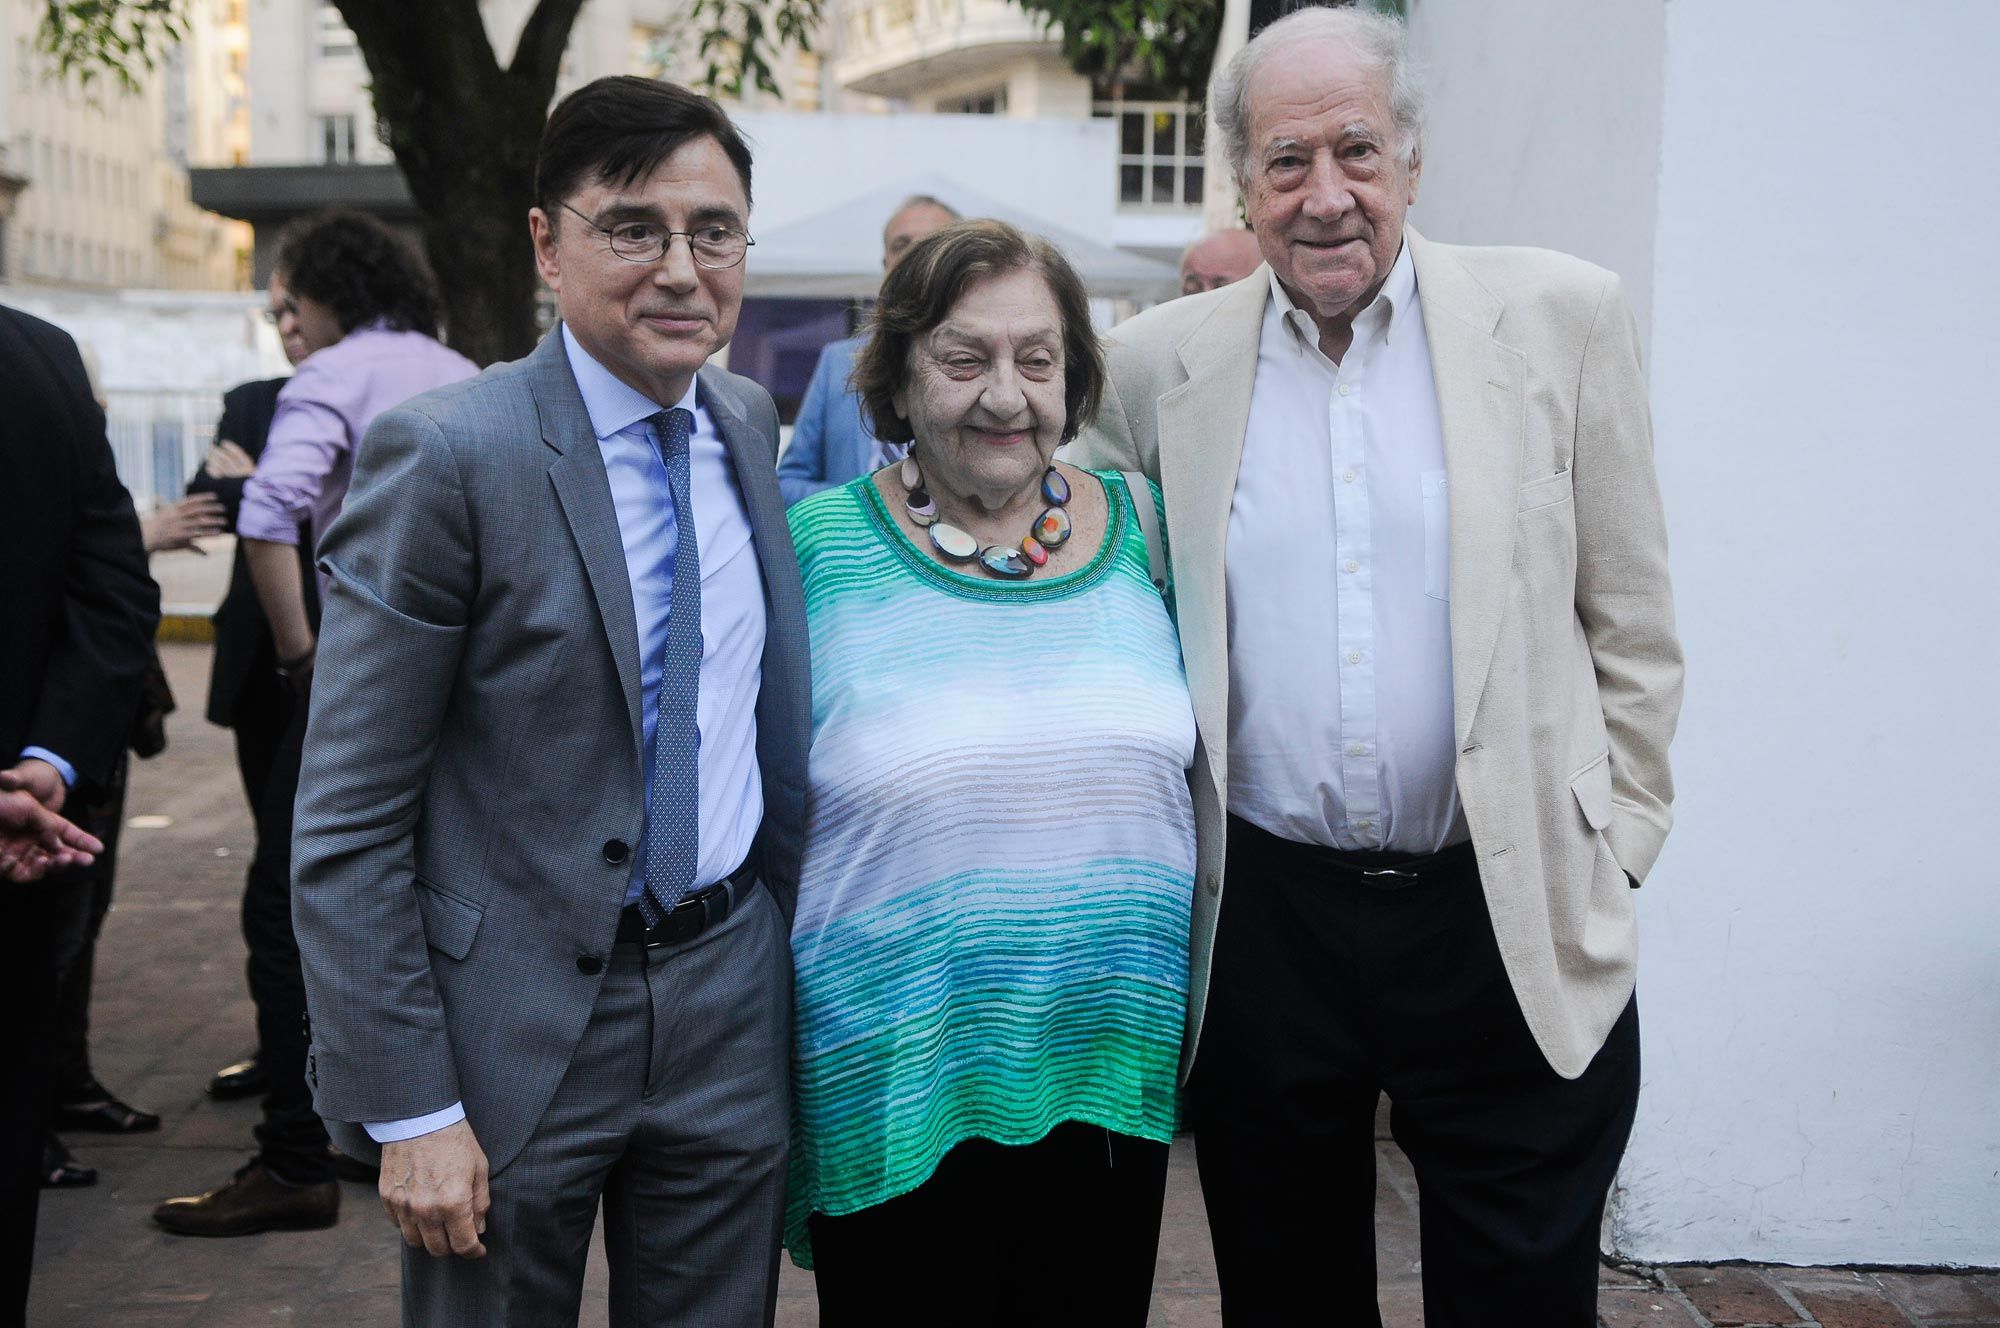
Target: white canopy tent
column 837, row 253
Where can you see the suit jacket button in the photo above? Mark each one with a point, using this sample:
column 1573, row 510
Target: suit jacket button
column 589, row 965
column 616, row 851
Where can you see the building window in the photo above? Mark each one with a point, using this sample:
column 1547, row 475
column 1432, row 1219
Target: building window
column 332, row 38
column 993, row 102
column 1159, row 150
column 336, row 139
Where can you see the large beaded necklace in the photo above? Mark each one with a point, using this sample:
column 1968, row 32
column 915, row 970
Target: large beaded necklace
column 1049, row 531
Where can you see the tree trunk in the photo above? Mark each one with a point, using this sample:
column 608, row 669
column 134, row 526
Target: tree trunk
column 465, row 132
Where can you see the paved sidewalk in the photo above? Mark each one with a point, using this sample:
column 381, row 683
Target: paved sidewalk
column 171, row 1007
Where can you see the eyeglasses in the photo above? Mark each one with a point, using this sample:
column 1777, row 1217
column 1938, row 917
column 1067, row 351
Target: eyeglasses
column 712, row 246
column 280, row 311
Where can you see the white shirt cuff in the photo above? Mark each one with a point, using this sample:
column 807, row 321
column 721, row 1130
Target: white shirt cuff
column 63, row 768
column 395, row 1131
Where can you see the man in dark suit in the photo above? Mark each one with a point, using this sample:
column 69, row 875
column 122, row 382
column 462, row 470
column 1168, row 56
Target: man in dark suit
column 79, row 611
column 549, row 819
column 245, row 693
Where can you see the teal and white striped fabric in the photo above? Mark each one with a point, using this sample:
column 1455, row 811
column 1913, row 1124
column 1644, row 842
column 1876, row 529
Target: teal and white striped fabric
column 992, row 925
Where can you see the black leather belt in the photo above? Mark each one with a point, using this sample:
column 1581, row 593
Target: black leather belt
column 692, row 916
column 1382, row 871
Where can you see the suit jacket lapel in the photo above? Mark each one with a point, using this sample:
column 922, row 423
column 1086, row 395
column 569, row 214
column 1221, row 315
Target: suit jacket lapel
column 585, row 494
column 1201, row 425
column 1481, row 388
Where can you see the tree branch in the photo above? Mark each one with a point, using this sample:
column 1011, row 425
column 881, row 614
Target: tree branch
column 538, row 55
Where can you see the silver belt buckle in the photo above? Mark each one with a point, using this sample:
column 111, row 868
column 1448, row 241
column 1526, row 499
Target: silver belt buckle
column 1396, row 872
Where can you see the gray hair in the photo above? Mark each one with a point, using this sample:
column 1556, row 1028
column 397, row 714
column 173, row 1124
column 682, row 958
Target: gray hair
column 1380, row 39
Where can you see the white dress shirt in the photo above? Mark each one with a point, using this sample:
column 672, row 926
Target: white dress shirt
column 731, row 794
column 1340, row 702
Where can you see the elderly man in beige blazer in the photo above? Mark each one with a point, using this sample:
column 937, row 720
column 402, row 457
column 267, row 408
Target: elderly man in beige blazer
column 1421, row 579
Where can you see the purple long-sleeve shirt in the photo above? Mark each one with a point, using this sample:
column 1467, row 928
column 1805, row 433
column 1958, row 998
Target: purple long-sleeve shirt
column 308, row 459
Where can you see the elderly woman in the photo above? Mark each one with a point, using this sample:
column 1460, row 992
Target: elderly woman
column 991, row 938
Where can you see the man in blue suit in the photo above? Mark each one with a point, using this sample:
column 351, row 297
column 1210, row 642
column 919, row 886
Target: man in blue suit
column 831, row 443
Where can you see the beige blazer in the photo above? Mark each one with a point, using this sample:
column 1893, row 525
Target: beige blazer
column 1566, row 672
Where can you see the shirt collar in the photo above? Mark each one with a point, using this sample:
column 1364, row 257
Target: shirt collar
column 614, row 406
column 1383, row 317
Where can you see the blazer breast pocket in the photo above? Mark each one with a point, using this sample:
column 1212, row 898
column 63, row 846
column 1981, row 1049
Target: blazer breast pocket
column 450, row 921
column 1546, row 492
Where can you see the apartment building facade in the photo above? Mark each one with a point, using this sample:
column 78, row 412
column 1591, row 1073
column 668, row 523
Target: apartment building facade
column 93, row 179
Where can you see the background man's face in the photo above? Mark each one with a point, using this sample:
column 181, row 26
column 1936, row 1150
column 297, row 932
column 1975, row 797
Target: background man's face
column 909, row 226
column 1326, row 183
column 651, row 324
column 1217, row 259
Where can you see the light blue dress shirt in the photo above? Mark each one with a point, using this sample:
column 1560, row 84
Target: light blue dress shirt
column 732, row 624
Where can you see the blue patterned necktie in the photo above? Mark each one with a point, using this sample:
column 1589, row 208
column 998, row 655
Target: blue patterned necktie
column 672, row 810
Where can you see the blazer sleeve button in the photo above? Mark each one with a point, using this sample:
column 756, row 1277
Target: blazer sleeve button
column 616, row 851
column 589, row 965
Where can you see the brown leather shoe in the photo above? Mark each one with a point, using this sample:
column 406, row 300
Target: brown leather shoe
column 254, row 1200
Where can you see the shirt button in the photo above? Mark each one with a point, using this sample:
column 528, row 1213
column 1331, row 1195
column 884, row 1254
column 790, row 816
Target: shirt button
column 1354, row 657
column 1347, row 476
column 1353, row 566
column 1346, row 389
column 589, row 965
column 1358, row 749
column 1364, row 825
column 616, row 851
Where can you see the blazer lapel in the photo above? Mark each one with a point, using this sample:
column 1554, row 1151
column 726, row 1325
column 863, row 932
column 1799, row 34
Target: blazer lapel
column 1201, row 425
column 1481, row 386
column 584, row 491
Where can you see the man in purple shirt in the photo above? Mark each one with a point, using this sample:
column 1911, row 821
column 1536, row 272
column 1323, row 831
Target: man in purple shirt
column 365, row 307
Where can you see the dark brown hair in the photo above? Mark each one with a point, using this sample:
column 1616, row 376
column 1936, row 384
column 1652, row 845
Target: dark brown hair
column 362, row 271
column 618, row 129
column 933, row 276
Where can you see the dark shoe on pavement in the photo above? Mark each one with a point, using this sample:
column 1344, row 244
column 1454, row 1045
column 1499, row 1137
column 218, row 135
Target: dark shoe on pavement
column 353, row 1168
column 254, row 1200
column 246, row 1078
column 96, row 1110
column 60, row 1170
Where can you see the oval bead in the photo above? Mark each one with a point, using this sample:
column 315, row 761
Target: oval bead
column 1009, row 564
column 954, row 543
column 912, row 477
column 1052, row 527
column 1034, row 552
column 1054, row 487
column 921, row 507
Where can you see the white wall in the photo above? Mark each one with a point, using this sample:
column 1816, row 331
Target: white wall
column 1820, row 971
column 1544, row 128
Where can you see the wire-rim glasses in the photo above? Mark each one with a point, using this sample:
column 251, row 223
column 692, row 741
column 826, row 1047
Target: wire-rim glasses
column 714, row 246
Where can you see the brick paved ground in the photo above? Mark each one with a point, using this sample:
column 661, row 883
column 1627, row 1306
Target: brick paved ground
column 171, row 1007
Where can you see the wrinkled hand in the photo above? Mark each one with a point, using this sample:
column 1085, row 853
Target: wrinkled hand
column 434, row 1189
column 178, row 525
column 227, row 461
column 34, row 841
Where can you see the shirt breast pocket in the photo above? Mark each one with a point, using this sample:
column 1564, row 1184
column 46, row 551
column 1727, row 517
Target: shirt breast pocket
column 1437, row 535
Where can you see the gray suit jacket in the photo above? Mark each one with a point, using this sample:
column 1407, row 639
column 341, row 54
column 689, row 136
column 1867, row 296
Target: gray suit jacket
column 475, row 746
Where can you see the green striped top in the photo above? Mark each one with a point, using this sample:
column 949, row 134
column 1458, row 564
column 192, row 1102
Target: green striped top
column 992, row 926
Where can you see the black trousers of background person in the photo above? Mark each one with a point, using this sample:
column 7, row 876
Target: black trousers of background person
column 1328, row 987
column 81, row 903
column 291, row 1140
column 1060, row 1232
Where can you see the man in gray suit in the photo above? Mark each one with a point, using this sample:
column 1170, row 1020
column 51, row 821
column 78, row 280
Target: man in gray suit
column 548, row 824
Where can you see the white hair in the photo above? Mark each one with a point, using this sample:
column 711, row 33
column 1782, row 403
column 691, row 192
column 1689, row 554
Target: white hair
column 1380, row 39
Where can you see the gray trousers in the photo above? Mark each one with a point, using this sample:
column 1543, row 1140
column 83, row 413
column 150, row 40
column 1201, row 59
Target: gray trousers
column 675, row 1112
